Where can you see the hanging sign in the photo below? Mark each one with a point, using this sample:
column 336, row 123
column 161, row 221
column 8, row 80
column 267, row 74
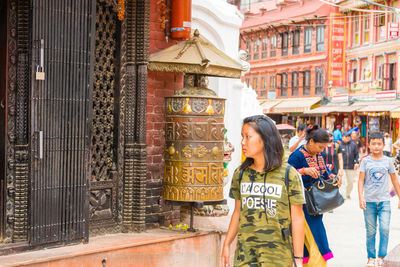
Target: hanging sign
column 393, row 30
column 336, row 61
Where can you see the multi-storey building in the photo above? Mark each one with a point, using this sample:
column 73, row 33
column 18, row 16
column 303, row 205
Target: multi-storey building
column 287, row 45
column 371, row 51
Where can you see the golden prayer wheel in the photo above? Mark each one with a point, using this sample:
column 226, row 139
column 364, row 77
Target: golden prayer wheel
column 194, row 150
column 194, row 145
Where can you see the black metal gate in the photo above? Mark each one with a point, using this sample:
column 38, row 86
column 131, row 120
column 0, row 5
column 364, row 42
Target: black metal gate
column 62, row 63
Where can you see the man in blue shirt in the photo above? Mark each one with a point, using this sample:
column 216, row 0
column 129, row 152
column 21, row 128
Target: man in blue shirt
column 337, row 134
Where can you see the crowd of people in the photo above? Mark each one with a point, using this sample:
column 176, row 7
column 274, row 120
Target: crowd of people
column 272, row 225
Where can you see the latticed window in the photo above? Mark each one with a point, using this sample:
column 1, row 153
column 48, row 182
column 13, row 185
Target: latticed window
column 264, row 47
column 273, row 46
column 320, row 38
column 306, row 82
column 285, row 42
column 256, row 49
column 319, row 81
column 255, row 84
column 263, row 89
column 248, row 49
column 284, row 84
column 272, row 83
column 308, row 39
column 295, row 42
column 295, row 83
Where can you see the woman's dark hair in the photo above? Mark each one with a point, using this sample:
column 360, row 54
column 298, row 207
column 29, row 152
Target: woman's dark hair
column 317, row 134
column 376, row 136
column 301, row 127
column 273, row 149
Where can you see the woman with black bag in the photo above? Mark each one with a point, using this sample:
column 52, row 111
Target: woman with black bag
column 310, row 164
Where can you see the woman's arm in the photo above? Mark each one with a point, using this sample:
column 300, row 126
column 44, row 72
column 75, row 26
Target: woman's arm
column 340, row 171
column 396, row 185
column 231, row 234
column 297, row 232
column 361, row 191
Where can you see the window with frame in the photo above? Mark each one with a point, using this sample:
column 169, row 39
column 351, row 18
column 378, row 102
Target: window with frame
column 319, row 81
column 389, row 76
column 255, row 84
column 248, row 81
column 306, row 82
column 263, row 89
column 366, row 28
column 394, row 17
column 356, row 29
column 380, row 26
column 379, row 61
column 365, row 69
column 295, row 83
column 272, row 83
column 264, row 47
column 320, row 38
column 295, row 42
column 248, row 49
column 352, row 75
column 285, row 43
column 272, row 46
column 284, row 84
column 307, row 39
column 256, row 49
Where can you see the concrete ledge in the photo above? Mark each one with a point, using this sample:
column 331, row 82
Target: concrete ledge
column 153, row 248
column 393, row 258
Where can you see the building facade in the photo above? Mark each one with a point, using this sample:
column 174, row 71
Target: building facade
column 287, row 45
column 369, row 81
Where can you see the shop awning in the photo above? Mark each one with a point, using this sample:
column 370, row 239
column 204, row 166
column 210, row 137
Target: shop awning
column 296, row 105
column 334, row 108
column 269, row 104
column 379, row 108
column 395, row 113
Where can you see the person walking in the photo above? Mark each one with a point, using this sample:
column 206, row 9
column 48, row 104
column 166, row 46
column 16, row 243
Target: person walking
column 337, row 134
column 387, row 149
column 263, row 207
column 333, row 158
column 298, row 140
column 350, row 163
column 374, row 197
column 356, row 139
column 310, row 164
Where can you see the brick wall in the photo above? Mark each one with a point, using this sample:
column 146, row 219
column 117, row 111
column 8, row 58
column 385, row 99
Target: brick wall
column 160, row 85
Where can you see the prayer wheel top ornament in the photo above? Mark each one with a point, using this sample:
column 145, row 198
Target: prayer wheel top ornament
column 194, row 152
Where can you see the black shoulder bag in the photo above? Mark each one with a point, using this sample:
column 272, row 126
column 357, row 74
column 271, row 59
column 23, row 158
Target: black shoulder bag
column 323, row 196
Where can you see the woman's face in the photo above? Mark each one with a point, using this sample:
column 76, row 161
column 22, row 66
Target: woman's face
column 252, row 144
column 315, row 147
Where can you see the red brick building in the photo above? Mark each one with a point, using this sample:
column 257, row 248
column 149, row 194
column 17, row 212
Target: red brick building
column 287, row 47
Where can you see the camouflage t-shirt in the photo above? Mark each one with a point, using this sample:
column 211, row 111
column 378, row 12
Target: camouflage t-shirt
column 260, row 241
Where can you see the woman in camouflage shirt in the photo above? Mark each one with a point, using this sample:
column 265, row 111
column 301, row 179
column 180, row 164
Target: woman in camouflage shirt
column 262, row 202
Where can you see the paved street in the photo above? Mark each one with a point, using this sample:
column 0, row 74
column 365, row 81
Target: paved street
column 346, row 233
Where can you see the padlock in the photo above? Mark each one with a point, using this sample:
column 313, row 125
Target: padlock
column 40, row 73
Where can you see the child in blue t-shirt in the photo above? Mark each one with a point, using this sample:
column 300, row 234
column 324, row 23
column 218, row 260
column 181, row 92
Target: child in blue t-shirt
column 374, row 196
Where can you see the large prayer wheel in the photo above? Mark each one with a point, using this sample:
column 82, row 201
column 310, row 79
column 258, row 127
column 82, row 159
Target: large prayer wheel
column 194, row 146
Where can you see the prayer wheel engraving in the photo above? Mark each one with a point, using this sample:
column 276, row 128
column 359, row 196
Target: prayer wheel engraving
column 194, row 148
